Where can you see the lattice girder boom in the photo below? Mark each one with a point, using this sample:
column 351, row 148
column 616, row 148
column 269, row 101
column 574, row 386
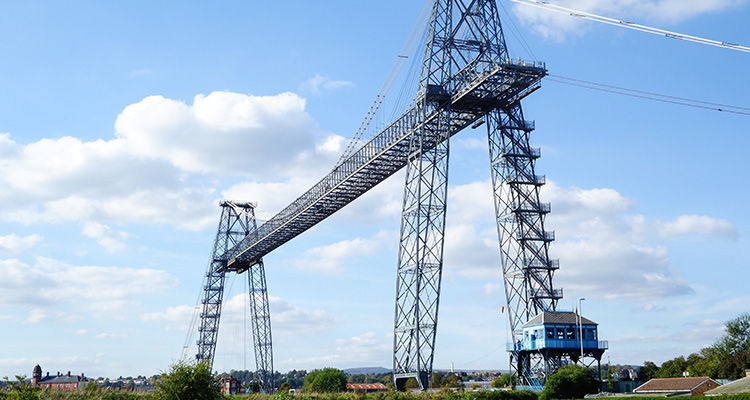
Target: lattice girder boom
column 476, row 93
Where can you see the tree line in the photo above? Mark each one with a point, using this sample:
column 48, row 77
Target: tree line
column 727, row 358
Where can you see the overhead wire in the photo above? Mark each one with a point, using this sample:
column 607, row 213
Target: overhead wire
column 650, row 95
column 390, row 79
column 630, row 25
column 517, row 33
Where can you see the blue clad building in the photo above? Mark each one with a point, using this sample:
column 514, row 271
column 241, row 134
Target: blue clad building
column 559, row 335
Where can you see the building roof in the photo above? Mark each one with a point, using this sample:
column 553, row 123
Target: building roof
column 559, row 317
column 673, row 384
column 366, row 386
column 61, row 379
column 736, row 387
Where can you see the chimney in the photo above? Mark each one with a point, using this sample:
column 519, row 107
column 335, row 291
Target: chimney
column 58, row 373
column 68, row 373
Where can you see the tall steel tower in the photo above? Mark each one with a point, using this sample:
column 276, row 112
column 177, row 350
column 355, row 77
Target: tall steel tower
column 237, row 221
column 465, row 41
column 467, row 79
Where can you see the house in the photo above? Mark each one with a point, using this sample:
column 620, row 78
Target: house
column 231, row 385
column 735, row 387
column 555, row 335
column 688, row 386
column 366, row 387
column 65, row 383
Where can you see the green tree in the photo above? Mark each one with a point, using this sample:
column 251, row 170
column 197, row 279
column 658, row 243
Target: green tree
column 436, row 381
column 648, row 371
column 673, row 368
column 569, row 382
column 188, row 381
column 452, row 381
column 504, row 381
column 22, row 389
column 737, row 338
column 285, row 387
column 326, row 380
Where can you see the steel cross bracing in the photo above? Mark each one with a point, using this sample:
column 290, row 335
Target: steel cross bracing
column 467, row 75
column 237, row 221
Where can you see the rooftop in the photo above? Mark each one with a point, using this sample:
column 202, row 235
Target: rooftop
column 559, row 317
column 673, row 384
column 736, row 387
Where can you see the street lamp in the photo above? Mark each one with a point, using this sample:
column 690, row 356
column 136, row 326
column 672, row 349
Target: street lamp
column 580, row 324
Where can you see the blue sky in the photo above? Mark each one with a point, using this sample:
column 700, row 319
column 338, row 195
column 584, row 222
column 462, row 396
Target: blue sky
column 123, row 124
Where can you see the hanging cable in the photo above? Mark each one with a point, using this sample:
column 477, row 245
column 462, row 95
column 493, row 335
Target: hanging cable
column 630, row 25
column 650, row 95
column 517, row 33
column 395, row 69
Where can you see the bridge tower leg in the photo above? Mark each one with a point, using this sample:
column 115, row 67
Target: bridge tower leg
column 524, row 243
column 237, row 221
column 465, row 37
column 420, row 259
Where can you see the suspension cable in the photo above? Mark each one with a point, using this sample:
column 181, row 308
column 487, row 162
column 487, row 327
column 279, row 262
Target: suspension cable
column 630, row 25
column 392, row 75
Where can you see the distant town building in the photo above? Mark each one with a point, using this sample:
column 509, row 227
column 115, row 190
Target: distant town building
column 366, row 387
column 231, row 385
column 65, row 383
column 688, row 386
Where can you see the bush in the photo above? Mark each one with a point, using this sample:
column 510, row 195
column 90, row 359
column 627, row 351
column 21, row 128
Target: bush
column 569, row 382
column 327, row 380
column 188, row 381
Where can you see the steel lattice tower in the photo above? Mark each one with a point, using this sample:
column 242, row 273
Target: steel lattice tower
column 237, row 221
column 471, row 43
column 467, row 79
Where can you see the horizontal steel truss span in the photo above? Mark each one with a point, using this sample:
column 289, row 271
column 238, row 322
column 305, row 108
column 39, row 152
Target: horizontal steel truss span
column 476, row 93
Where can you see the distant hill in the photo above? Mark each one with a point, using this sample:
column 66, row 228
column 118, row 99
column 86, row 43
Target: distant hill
column 367, row 370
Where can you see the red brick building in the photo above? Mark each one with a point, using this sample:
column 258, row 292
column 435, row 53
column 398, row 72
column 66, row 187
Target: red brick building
column 689, row 386
column 65, row 383
column 231, row 385
column 366, row 387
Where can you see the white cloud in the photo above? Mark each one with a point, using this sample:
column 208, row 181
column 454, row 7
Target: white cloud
column 36, row 315
column 559, row 25
column 365, row 349
column 50, row 284
column 166, row 161
column 173, row 318
column 319, row 84
column 330, row 259
column 112, row 241
column 15, row 244
column 685, row 224
column 110, row 336
column 604, row 248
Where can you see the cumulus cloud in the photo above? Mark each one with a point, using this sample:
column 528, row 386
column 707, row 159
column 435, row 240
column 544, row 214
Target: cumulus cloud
column 14, row 244
column 166, row 161
column 702, row 224
column 604, row 247
column 50, row 283
column 330, row 259
column 112, row 241
column 319, row 84
column 173, row 318
column 365, row 349
column 559, row 25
